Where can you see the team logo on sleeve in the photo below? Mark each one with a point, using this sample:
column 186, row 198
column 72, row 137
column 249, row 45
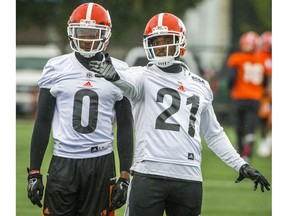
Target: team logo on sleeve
column 197, row 79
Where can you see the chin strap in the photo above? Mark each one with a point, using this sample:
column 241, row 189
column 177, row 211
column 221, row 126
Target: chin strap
column 164, row 63
column 173, row 62
column 87, row 55
column 90, row 55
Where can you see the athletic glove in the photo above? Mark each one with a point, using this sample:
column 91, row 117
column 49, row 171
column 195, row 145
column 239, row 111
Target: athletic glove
column 248, row 172
column 104, row 69
column 119, row 194
column 35, row 188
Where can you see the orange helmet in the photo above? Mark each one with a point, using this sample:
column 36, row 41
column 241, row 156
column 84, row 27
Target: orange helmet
column 248, row 41
column 164, row 24
column 91, row 24
column 266, row 41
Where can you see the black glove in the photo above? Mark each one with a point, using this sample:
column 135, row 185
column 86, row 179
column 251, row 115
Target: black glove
column 35, row 188
column 104, row 69
column 248, row 172
column 119, row 194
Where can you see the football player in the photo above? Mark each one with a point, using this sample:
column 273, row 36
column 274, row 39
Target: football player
column 81, row 111
column 265, row 109
column 247, row 80
column 171, row 107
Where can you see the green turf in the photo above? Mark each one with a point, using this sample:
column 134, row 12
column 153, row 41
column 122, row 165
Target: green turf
column 222, row 197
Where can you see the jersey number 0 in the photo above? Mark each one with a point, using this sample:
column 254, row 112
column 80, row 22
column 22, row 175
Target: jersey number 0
column 93, row 111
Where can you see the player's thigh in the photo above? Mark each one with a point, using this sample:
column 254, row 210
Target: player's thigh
column 185, row 199
column 97, row 175
column 146, row 197
column 251, row 116
column 61, row 188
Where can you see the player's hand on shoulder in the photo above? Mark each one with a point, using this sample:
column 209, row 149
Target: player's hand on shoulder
column 35, row 187
column 119, row 194
column 247, row 171
column 104, row 69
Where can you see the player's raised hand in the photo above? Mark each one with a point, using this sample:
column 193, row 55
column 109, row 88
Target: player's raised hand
column 104, row 69
column 119, row 194
column 95, row 66
column 35, row 188
column 248, row 172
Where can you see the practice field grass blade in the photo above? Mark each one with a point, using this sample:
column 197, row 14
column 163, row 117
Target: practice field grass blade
column 222, row 197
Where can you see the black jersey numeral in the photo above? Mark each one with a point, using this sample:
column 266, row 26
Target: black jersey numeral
column 174, row 108
column 93, row 111
column 194, row 100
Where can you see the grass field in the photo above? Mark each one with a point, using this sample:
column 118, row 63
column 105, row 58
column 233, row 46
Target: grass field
column 222, row 197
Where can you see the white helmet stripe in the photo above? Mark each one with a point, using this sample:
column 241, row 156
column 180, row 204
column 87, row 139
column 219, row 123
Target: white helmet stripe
column 160, row 19
column 89, row 11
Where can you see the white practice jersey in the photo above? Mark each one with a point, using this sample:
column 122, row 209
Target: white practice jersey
column 83, row 119
column 170, row 111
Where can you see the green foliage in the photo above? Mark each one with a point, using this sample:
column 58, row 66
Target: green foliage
column 134, row 16
column 222, row 197
column 251, row 15
column 129, row 17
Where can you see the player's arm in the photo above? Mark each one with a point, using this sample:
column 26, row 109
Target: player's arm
column 265, row 81
column 231, row 76
column 124, row 134
column 39, row 142
column 217, row 140
column 220, row 144
column 42, row 128
column 125, row 151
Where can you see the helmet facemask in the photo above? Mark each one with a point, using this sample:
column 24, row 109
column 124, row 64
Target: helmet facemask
column 88, row 38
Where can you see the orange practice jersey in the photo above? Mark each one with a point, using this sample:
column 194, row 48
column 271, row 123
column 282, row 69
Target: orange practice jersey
column 250, row 75
column 266, row 57
column 265, row 109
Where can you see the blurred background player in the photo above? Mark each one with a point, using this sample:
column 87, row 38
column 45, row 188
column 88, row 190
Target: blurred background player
column 172, row 108
column 265, row 110
column 246, row 81
column 81, row 111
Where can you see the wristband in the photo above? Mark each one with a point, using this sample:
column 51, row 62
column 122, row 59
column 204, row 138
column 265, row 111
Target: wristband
column 34, row 172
